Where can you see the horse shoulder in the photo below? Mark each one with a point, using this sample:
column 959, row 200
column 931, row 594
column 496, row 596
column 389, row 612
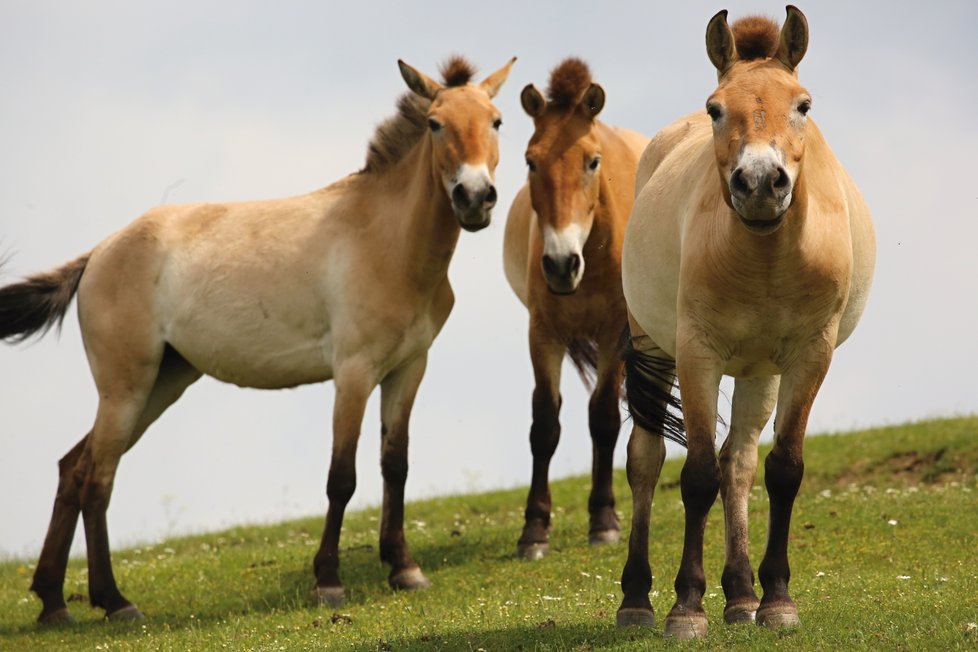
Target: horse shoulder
column 693, row 125
column 516, row 242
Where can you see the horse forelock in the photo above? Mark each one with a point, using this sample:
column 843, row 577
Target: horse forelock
column 396, row 135
column 457, row 71
column 568, row 82
column 756, row 37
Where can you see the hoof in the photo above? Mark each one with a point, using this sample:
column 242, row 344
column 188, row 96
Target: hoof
column 330, row 596
column 686, row 626
column 628, row 616
column 128, row 613
column 743, row 612
column 409, row 579
column 604, row 537
column 532, row 551
column 778, row 616
column 57, row 617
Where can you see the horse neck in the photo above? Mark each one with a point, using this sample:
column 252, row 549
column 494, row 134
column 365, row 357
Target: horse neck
column 421, row 216
column 608, row 229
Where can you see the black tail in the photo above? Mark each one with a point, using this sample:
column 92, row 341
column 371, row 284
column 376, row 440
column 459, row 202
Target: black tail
column 653, row 407
column 39, row 302
column 583, row 353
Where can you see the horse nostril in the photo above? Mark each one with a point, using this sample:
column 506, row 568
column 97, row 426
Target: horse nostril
column 490, row 198
column 459, row 197
column 782, row 181
column 738, row 186
column 574, row 264
column 549, row 265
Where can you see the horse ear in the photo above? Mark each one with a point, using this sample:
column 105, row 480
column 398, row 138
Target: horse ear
column 720, row 43
column 494, row 82
column 794, row 38
column 593, row 101
column 418, row 81
column 532, row 100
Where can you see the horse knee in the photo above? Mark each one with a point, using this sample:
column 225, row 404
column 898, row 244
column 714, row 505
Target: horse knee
column 783, row 475
column 699, row 483
column 340, row 485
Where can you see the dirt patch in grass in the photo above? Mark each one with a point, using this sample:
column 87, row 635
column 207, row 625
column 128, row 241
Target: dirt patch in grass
column 911, row 468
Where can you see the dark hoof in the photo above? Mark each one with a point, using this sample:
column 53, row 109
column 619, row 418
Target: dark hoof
column 686, row 626
column 57, row 617
column 741, row 612
column 628, row 616
column 128, row 613
column 409, row 579
column 778, row 616
column 604, row 537
column 330, row 596
column 532, row 551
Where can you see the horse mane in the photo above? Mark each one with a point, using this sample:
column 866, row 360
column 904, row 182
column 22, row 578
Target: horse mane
column 397, row 135
column 568, row 82
column 756, row 37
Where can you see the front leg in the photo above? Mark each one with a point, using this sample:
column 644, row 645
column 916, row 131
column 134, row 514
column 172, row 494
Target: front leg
column 783, row 471
column 699, row 370
column 547, row 355
column 354, row 382
column 397, row 395
column 604, row 422
column 753, row 402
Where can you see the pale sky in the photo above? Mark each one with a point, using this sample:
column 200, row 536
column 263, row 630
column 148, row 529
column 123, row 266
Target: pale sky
column 110, row 108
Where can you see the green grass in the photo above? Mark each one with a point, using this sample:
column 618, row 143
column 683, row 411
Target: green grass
column 884, row 552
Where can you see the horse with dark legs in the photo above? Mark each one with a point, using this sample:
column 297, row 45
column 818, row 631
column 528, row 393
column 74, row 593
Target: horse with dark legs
column 348, row 283
column 749, row 253
column 562, row 258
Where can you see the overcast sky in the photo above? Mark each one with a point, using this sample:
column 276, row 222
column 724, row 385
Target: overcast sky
column 110, row 108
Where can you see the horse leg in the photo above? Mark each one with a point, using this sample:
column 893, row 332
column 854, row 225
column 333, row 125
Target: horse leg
column 398, row 391
column 753, row 402
column 646, row 453
column 49, row 577
column 353, row 386
column 783, row 471
column 604, row 421
column 547, row 356
column 175, row 375
column 699, row 372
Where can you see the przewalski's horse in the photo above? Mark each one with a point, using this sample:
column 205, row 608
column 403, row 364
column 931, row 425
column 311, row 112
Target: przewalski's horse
column 346, row 283
column 749, row 253
column 563, row 260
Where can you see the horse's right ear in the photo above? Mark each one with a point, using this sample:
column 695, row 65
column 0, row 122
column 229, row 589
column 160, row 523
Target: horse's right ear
column 720, row 43
column 419, row 82
column 533, row 101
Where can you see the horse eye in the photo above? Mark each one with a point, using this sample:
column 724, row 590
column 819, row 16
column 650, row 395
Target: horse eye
column 531, row 166
column 497, row 124
column 434, row 125
column 714, row 111
column 595, row 162
column 805, row 107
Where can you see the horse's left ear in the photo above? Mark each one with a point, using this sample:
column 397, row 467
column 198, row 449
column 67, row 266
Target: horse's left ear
column 419, row 82
column 494, row 82
column 720, row 43
column 794, row 38
column 593, row 101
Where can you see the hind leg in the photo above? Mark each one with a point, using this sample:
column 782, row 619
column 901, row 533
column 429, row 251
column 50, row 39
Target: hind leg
column 753, row 402
column 547, row 356
column 649, row 376
column 604, row 421
column 77, row 469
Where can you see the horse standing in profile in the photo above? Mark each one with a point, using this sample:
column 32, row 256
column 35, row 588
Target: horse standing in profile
column 348, row 283
column 562, row 257
column 749, row 253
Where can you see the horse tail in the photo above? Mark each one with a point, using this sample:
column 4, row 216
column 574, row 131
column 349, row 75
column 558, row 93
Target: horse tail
column 649, row 383
column 39, row 302
column 583, row 353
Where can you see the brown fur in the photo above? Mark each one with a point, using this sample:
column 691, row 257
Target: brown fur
column 457, row 71
column 568, row 81
column 396, row 135
column 36, row 304
column 756, row 37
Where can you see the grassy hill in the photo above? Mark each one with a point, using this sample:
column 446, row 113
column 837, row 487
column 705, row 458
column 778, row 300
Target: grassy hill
column 884, row 556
